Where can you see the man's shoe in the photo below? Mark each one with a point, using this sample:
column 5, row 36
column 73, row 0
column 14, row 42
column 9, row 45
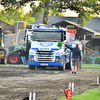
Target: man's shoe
column 74, row 72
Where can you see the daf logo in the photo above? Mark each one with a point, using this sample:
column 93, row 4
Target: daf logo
column 46, row 44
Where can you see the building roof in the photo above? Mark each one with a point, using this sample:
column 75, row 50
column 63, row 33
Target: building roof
column 6, row 26
column 5, row 23
column 94, row 24
column 85, row 28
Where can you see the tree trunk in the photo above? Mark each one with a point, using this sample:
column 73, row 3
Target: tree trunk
column 46, row 12
column 45, row 17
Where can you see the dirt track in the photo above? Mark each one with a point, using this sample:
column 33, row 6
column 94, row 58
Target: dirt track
column 17, row 82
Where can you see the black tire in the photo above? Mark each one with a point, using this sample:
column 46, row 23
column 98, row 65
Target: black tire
column 31, row 67
column 13, row 58
column 3, row 61
column 68, row 65
column 60, row 68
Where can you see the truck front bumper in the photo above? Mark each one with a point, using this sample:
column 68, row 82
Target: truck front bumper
column 56, row 63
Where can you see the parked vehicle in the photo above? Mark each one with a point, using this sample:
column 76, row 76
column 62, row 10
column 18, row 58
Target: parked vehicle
column 23, row 39
column 3, row 54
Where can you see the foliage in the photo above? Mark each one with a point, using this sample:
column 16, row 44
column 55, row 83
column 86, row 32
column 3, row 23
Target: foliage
column 12, row 15
column 91, row 58
column 51, row 13
column 27, row 17
column 92, row 94
column 84, row 8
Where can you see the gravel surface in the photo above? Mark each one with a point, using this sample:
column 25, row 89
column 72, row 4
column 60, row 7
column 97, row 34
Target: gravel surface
column 17, row 81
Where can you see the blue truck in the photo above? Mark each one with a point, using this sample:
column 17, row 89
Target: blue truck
column 47, row 48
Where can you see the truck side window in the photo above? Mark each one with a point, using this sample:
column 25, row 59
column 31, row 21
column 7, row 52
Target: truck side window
column 62, row 36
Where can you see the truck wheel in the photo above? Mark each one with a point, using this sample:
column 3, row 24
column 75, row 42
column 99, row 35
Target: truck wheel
column 31, row 67
column 13, row 58
column 68, row 65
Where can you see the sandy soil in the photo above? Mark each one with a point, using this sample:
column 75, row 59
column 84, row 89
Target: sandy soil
column 17, row 81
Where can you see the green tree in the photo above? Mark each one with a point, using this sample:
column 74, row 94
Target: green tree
column 27, row 17
column 12, row 15
column 84, row 8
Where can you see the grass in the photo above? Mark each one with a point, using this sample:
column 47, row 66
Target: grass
column 12, row 65
column 96, row 66
column 89, row 66
column 92, row 94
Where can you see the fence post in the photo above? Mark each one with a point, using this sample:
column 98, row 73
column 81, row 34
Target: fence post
column 93, row 62
column 97, row 80
column 98, row 83
column 71, row 85
column 33, row 96
column 30, row 96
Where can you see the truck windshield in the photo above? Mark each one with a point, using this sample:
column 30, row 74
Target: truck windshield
column 47, row 36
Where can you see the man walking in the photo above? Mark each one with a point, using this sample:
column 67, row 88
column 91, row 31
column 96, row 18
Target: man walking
column 76, row 57
column 22, row 53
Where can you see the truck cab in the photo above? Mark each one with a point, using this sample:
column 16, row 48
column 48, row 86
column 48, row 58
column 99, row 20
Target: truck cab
column 47, row 48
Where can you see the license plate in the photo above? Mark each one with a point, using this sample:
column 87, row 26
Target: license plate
column 44, row 64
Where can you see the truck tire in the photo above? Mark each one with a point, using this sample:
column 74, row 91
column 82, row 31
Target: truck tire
column 13, row 58
column 31, row 67
column 68, row 65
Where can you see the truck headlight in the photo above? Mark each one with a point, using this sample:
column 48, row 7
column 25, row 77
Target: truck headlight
column 58, row 59
column 30, row 58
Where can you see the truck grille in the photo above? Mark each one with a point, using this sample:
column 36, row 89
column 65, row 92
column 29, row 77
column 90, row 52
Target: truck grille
column 45, row 56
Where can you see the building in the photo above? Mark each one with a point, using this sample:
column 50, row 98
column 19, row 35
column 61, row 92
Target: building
column 90, row 32
column 11, row 32
column 7, row 28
